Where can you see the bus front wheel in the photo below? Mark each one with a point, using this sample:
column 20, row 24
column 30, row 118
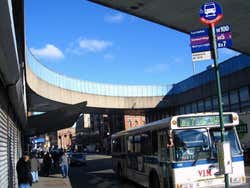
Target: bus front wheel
column 154, row 181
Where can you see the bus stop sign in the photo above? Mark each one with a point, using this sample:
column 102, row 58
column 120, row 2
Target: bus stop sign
column 210, row 13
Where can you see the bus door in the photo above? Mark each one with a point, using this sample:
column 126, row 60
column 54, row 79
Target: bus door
column 135, row 159
column 165, row 147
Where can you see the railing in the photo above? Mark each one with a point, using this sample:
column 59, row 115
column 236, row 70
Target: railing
column 89, row 87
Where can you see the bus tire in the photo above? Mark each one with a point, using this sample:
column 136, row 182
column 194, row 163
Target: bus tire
column 154, row 180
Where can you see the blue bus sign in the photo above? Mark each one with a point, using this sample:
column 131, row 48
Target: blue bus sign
column 199, row 40
column 210, row 13
column 223, row 36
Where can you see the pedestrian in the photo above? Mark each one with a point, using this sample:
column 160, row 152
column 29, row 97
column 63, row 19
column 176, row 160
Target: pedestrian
column 23, row 172
column 64, row 164
column 47, row 162
column 35, row 167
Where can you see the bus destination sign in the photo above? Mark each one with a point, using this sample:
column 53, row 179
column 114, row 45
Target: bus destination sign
column 203, row 120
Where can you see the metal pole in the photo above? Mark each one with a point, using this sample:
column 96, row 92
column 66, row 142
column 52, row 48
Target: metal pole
column 193, row 67
column 218, row 83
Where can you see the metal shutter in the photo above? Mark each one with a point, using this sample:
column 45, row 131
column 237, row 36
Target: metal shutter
column 3, row 149
column 12, row 145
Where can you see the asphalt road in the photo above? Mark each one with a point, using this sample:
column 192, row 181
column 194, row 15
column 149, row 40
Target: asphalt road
column 97, row 173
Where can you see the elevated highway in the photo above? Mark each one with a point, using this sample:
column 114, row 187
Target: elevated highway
column 48, row 90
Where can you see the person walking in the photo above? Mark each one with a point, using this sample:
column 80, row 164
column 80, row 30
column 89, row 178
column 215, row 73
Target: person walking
column 47, row 162
column 35, row 167
column 23, row 172
column 64, row 164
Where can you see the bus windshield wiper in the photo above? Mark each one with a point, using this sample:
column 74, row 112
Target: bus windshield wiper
column 197, row 156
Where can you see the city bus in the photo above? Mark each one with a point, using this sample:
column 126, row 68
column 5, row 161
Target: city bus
column 179, row 152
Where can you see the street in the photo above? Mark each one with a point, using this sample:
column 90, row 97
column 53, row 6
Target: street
column 97, row 173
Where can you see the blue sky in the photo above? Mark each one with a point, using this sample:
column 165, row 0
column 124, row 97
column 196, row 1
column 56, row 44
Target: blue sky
column 88, row 41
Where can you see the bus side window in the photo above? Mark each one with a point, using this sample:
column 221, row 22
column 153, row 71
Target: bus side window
column 155, row 142
column 137, row 143
column 116, row 145
column 123, row 144
column 146, row 143
column 164, row 142
column 130, row 141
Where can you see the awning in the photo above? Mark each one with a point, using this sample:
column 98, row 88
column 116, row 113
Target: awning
column 54, row 120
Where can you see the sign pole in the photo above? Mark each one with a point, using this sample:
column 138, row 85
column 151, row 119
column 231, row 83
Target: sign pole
column 218, row 84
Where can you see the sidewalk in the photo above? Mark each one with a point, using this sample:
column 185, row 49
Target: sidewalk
column 53, row 181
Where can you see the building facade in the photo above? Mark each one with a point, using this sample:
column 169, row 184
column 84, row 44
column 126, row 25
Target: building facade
column 132, row 121
column 198, row 94
column 66, row 138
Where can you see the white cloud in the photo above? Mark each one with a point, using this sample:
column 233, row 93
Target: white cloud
column 108, row 56
column 114, row 18
column 49, row 51
column 93, row 45
column 228, row 52
column 157, row 68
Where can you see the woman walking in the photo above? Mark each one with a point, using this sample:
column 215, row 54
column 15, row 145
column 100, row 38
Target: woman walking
column 64, row 164
column 35, row 166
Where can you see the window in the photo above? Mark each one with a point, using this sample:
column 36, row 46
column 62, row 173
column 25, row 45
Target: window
column 225, row 102
column 215, row 103
column 244, row 99
column 130, row 141
column 200, row 106
column 229, row 136
column 154, row 143
column 234, row 99
column 164, row 141
column 190, row 143
column 146, row 143
column 225, row 99
column 116, row 144
column 194, row 107
column 188, row 108
column 208, row 105
column 244, row 94
column 137, row 143
column 182, row 110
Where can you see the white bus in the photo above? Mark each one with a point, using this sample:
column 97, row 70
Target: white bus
column 178, row 152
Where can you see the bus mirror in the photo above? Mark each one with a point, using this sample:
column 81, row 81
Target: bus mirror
column 170, row 142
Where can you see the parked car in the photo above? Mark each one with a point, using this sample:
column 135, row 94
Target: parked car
column 77, row 159
column 247, row 156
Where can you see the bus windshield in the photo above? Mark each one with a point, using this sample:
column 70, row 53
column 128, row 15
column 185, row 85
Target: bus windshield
column 191, row 144
column 230, row 136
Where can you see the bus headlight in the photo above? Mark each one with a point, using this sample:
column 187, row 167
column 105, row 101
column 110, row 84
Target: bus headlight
column 184, row 185
column 235, row 117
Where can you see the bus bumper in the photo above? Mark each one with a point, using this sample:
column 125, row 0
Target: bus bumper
column 246, row 185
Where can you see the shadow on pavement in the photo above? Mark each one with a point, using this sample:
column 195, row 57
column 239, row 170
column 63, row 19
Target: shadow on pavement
column 97, row 173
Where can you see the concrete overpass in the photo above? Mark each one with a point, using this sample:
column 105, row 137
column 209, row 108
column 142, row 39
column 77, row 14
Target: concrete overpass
column 64, row 98
column 48, row 90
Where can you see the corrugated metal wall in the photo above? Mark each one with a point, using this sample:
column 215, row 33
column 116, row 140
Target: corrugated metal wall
column 10, row 144
column 3, row 149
